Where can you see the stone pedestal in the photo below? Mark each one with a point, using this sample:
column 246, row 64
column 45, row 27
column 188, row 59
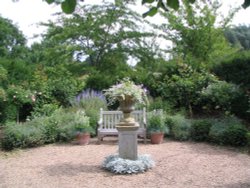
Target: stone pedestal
column 128, row 140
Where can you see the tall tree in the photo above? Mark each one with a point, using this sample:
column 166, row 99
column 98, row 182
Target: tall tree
column 95, row 32
column 196, row 32
column 12, row 41
column 239, row 36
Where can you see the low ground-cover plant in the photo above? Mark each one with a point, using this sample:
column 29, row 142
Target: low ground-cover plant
column 21, row 136
column 61, row 126
column 117, row 165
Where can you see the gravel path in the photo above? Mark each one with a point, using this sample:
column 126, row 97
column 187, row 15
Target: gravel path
column 178, row 164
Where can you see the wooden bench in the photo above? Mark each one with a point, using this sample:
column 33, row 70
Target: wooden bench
column 109, row 119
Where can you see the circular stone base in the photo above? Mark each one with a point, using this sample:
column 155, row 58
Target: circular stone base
column 117, row 165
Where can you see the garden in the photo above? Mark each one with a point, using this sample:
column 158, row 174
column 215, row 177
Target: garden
column 195, row 92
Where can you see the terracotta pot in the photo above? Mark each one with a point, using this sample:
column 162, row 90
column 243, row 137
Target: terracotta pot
column 156, row 138
column 82, row 138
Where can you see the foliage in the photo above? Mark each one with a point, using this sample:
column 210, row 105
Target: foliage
column 179, row 127
column 239, row 36
column 158, row 103
column 197, row 32
column 179, row 84
column 248, row 138
column 12, row 41
column 62, row 85
column 21, row 135
column 98, row 39
column 60, row 126
column 200, row 129
column 81, row 122
column 236, row 69
column 98, row 33
column 91, row 101
column 235, row 135
column 17, row 101
column 219, row 96
column 156, row 122
column 228, row 131
column 45, row 110
column 68, row 6
column 117, row 165
column 126, row 88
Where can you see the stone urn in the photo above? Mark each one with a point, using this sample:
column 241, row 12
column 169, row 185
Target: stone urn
column 127, row 106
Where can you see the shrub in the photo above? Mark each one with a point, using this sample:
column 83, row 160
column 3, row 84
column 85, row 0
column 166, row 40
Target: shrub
column 248, row 138
column 45, row 110
column 21, row 136
column 62, row 125
column 235, row 69
column 180, row 129
column 235, row 135
column 200, row 129
column 159, row 103
column 91, row 101
column 228, row 131
column 219, row 96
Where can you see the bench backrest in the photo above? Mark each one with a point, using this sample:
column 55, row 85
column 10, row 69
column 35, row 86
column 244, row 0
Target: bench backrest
column 109, row 119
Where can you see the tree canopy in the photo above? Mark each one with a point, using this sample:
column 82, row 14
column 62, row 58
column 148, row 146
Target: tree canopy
column 11, row 38
column 68, row 6
column 239, row 36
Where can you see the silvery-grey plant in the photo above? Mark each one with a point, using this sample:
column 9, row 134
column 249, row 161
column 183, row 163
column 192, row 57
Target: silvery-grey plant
column 117, row 165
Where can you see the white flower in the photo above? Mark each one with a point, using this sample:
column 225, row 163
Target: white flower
column 126, row 88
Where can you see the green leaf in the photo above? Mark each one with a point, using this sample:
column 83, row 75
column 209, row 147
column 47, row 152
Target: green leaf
column 191, row 1
column 147, row 1
column 174, row 4
column 246, row 4
column 151, row 12
column 49, row 1
column 160, row 4
column 68, row 6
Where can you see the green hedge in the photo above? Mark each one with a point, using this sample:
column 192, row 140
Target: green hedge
column 235, row 69
column 61, row 126
column 200, row 129
column 228, row 131
column 179, row 127
column 223, row 131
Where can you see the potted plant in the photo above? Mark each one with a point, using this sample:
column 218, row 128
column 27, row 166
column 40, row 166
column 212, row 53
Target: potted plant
column 156, row 127
column 82, row 128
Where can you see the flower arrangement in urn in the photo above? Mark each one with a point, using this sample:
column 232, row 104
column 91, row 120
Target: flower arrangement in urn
column 127, row 93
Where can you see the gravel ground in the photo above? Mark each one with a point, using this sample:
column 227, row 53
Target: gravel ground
column 178, row 164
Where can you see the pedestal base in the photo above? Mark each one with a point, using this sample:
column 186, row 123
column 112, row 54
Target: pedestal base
column 128, row 141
